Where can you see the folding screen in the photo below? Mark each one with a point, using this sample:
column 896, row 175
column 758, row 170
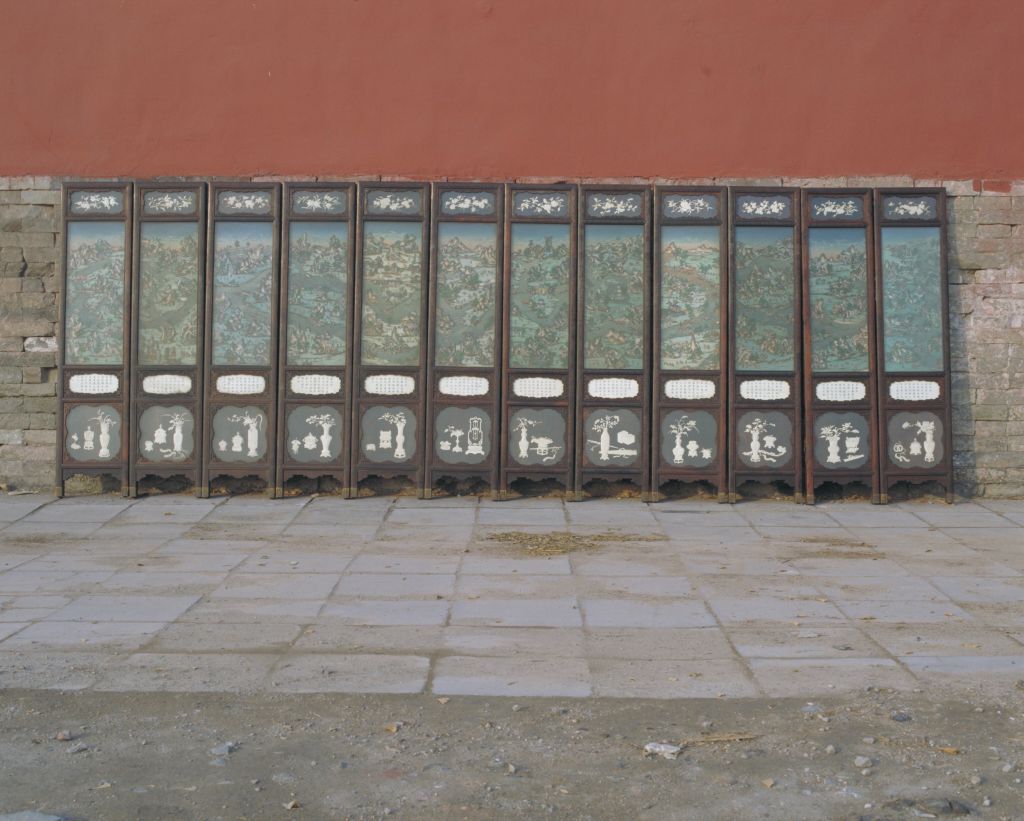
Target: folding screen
column 243, row 262
column 764, row 369
column 167, row 320
column 94, row 421
column 316, row 294
column 539, row 351
column 690, row 332
column 913, row 331
column 839, row 340
column 390, row 353
column 612, row 336
column 463, row 402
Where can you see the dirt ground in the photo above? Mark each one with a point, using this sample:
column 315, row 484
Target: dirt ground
column 875, row 755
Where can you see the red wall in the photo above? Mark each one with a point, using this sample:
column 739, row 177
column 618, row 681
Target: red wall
column 512, row 88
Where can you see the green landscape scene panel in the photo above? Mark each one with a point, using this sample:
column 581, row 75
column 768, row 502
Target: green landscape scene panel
column 467, row 260
column 838, row 286
column 539, row 309
column 317, row 293
column 168, row 293
column 243, row 289
column 690, row 298
column 94, row 311
column 912, row 299
column 764, row 299
column 613, row 328
column 392, row 276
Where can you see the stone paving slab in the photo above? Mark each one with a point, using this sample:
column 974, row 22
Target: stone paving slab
column 687, row 598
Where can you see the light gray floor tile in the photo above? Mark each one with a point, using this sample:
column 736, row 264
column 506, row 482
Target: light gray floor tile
column 335, row 636
column 802, row 642
column 125, row 608
column 563, row 612
column 749, row 609
column 385, row 611
column 510, row 586
column 103, row 635
column 910, row 612
column 166, row 581
column 788, row 677
column 657, row 643
column 254, row 611
column 295, row 561
column 627, row 613
column 18, row 581
column 10, row 628
column 968, row 667
column 188, row 673
column 513, row 518
column 209, row 637
column 487, row 566
column 672, row 587
column 536, row 642
column 617, row 678
column 396, row 585
column 382, row 563
column 330, row 673
column 542, row 677
column 941, row 639
column 960, row 515
column 277, row 586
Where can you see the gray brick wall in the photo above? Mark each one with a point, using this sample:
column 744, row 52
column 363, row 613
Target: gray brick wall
column 986, row 268
column 29, row 222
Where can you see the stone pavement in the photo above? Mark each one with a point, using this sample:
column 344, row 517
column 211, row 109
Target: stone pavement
column 686, row 599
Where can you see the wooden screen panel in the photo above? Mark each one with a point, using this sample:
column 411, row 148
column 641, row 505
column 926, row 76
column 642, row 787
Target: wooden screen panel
column 168, row 297
column 765, row 342
column 464, row 358
column 390, row 344
column 243, row 264
column 915, row 424
column 613, row 337
column 690, row 332
column 840, row 413
column 539, row 348
column 317, row 284
column 94, row 424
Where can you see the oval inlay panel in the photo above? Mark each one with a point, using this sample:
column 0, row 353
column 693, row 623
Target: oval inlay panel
column 538, row 387
column 612, row 388
column 690, row 389
column 165, row 384
column 316, row 384
column 463, row 385
column 914, row 390
column 389, row 384
column 840, row 391
column 241, row 384
column 93, row 383
column 764, row 389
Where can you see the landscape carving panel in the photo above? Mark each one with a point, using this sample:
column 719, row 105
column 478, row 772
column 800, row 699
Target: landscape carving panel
column 168, row 293
column 467, row 260
column 392, row 276
column 613, row 327
column 764, row 299
column 839, row 299
column 317, row 293
column 242, row 293
column 94, row 312
column 539, row 310
column 690, row 298
column 912, row 299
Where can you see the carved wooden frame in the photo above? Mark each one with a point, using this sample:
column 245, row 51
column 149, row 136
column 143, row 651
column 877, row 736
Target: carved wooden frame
column 288, row 398
column 213, row 397
column 790, row 405
column 817, row 384
column 437, row 398
column 563, row 470
column 586, row 469
column 715, row 216
column 362, row 398
column 141, row 398
column 68, row 399
column 941, row 406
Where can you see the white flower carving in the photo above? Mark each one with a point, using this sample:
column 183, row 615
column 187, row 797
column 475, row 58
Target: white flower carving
column 328, row 201
column 471, row 203
column 836, row 208
column 97, row 202
column 390, row 201
column 173, row 202
column 256, row 201
column 542, row 204
column 763, row 208
column 689, row 206
column 909, row 208
column 618, row 205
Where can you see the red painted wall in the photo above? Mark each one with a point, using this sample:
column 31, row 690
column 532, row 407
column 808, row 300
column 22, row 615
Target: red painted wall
column 511, row 88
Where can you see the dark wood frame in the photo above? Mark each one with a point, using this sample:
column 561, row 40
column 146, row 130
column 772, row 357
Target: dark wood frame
column 792, row 472
column 436, row 400
column 287, row 399
column 586, row 470
column 140, row 467
column 813, row 406
column 661, row 405
column 890, row 474
column 565, row 404
column 362, row 468
column 66, row 399
column 213, row 399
